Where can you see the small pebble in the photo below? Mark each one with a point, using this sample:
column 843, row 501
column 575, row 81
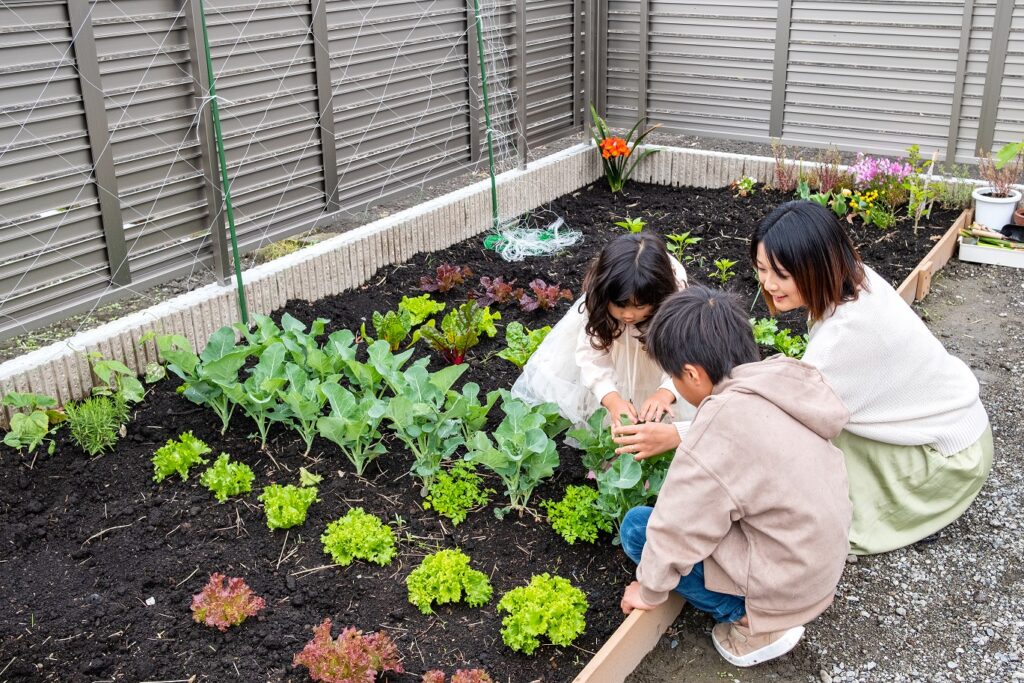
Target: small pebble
column 851, row 559
column 902, row 611
column 824, row 676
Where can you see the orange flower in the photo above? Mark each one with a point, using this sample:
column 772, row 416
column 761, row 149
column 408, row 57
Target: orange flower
column 614, row 147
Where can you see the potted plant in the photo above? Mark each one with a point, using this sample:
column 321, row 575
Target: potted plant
column 994, row 205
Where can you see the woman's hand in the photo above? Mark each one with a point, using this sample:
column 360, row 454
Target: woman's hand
column 631, row 599
column 657, row 405
column 617, row 406
column 645, row 440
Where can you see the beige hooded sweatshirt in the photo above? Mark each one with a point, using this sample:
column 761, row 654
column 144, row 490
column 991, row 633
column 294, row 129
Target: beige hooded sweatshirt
column 757, row 493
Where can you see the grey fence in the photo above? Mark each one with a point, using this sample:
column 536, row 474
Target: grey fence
column 109, row 178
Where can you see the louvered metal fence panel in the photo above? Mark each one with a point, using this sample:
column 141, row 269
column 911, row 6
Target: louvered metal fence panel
column 551, row 80
column 624, row 44
column 1010, row 118
column 980, row 41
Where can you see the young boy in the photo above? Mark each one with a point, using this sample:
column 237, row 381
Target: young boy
column 751, row 524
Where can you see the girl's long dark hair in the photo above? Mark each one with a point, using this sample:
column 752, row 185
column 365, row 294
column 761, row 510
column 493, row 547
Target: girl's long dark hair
column 805, row 240
column 631, row 269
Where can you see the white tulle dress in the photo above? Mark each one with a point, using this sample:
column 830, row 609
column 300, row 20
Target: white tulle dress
column 566, row 370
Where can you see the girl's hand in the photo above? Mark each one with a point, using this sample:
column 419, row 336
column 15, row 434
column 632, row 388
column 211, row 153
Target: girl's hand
column 617, row 406
column 657, row 405
column 631, row 599
column 645, row 440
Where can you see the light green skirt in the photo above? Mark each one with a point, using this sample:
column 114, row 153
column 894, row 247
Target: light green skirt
column 901, row 494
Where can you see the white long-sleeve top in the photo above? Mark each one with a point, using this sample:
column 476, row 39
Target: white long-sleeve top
column 899, row 383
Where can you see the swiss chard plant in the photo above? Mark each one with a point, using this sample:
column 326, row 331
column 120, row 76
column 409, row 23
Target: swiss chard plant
column 223, row 606
column 353, row 424
column 548, row 606
column 359, row 536
column 576, row 517
column 418, row 417
column 225, row 478
column 395, row 326
column 178, row 456
column 286, row 506
column 767, row 333
column 446, row 577
column 352, row 658
column 520, row 343
column 446, row 277
column 31, row 428
column 457, row 491
column 460, row 331
column 522, row 453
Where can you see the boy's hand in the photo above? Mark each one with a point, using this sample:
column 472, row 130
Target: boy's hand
column 657, row 405
column 616, row 406
column 645, row 440
column 631, row 599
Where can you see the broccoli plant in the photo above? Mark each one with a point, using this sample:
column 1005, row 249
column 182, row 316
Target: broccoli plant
column 352, row 658
column 460, row 331
column 455, row 492
column 258, row 395
column 225, row 478
column 223, row 606
column 31, row 428
column 576, row 517
column 548, row 606
column 446, row 277
column 466, row 407
column 627, row 483
column 302, row 402
column 520, row 343
column 595, row 440
column 286, row 506
column 178, row 457
column 353, row 424
column 445, row 577
column 359, row 535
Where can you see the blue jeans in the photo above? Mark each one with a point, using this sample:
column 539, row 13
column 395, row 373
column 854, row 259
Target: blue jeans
column 721, row 606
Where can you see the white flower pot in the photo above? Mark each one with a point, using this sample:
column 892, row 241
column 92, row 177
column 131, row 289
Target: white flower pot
column 994, row 212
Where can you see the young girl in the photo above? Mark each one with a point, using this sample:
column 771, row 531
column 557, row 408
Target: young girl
column 595, row 355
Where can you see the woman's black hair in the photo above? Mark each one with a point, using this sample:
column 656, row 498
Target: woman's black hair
column 703, row 327
column 632, row 269
column 805, row 240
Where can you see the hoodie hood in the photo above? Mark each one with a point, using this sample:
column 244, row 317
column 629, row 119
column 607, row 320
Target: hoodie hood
column 793, row 386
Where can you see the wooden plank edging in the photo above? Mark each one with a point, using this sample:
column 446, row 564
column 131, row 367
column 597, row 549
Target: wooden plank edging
column 916, row 285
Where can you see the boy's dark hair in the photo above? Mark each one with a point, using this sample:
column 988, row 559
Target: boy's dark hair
column 805, row 240
column 631, row 269
column 703, row 327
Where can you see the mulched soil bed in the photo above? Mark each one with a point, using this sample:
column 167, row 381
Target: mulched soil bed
column 87, row 542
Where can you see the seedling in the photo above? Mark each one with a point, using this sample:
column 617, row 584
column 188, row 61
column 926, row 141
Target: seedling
column 723, row 270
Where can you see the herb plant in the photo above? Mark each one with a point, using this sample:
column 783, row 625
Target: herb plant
column 457, row 491
column 633, row 225
column 178, row 457
column 286, row 506
column 223, row 606
column 617, row 153
column 446, row 278
column 723, row 270
column 575, row 517
column 352, row 658
column 225, row 478
column 359, row 536
column 548, row 606
column 94, row 423
column 31, row 428
column 767, row 333
column 445, row 577
column 460, row 331
column 353, row 424
column 520, row 343
column 677, row 244
column 522, row 454
column 548, row 295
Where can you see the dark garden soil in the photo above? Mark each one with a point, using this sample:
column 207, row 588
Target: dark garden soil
column 98, row 563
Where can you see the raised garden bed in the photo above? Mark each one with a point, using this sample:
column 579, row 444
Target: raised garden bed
column 88, row 542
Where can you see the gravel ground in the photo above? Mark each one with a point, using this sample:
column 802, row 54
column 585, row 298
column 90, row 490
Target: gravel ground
column 948, row 610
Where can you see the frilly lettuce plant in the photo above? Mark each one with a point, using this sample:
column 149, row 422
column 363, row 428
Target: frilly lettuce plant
column 548, row 606
column 576, row 517
column 352, row 658
column 223, row 606
column 359, row 535
column 225, row 478
column 445, row 577
column 455, row 492
column 286, row 506
column 178, row 457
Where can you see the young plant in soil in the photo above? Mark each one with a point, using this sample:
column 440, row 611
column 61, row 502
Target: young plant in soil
column 446, row 577
column 446, row 278
column 258, row 394
column 178, row 457
column 352, row 658
column 302, row 400
column 460, row 331
column 225, row 478
column 497, row 292
column 677, row 244
column 522, row 454
column 223, row 606
column 723, row 270
column 767, row 333
column 460, row 676
column 457, row 491
column 520, row 343
column 31, row 428
column 595, row 440
column 547, row 296
column 353, row 424
column 633, row 225
column 627, row 483
column 94, row 422
column 465, row 406
column 548, row 606
column 359, row 536
column 576, row 517
column 286, row 506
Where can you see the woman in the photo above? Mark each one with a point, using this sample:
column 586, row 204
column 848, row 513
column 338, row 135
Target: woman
column 918, row 445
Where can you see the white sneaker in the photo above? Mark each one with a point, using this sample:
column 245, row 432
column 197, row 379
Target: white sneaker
column 742, row 648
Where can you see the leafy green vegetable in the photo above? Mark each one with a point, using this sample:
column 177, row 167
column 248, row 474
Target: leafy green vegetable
column 444, row 577
column 548, row 606
column 420, row 307
column 353, row 425
column 307, row 478
column 116, row 379
column 767, row 333
column 359, row 535
column 225, row 478
column 393, row 327
column 576, row 517
column 466, row 407
column 595, row 440
column 455, row 492
column 29, row 430
column 522, row 453
column 627, row 483
column 304, row 399
column 178, row 456
column 521, row 343
column 286, row 506
column 460, row 331
column 258, row 394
